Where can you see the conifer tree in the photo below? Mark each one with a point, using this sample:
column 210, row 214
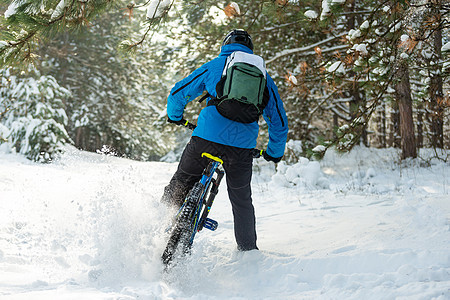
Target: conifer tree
column 335, row 62
column 33, row 120
column 118, row 100
column 27, row 21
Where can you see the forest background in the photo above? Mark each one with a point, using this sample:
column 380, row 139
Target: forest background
column 96, row 74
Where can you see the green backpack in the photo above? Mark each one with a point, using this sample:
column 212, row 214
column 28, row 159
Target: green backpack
column 241, row 92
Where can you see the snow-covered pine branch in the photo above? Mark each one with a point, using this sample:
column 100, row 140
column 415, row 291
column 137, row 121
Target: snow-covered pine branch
column 309, row 48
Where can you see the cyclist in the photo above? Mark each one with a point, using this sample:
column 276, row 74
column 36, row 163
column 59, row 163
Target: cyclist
column 230, row 140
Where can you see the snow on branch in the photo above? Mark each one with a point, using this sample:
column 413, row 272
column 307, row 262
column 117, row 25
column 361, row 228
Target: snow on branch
column 157, row 8
column 339, row 113
column 308, row 48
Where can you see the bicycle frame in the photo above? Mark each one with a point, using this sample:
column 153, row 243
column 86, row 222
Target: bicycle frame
column 210, row 187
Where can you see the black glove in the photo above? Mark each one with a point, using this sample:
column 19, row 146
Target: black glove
column 182, row 122
column 179, row 122
column 271, row 158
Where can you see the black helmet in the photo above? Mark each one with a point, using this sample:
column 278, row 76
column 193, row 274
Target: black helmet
column 238, row 36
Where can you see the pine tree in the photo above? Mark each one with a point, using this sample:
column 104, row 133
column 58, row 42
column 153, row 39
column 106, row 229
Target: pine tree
column 27, row 21
column 117, row 100
column 380, row 42
column 33, row 117
column 335, row 63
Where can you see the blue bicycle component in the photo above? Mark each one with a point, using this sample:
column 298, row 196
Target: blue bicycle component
column 210, row 224
column 193, row 214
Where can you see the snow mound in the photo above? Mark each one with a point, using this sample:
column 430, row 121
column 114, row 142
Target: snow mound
column 304, row 174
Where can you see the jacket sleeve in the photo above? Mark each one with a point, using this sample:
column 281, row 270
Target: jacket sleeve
column 185, row 91
column 275, row 116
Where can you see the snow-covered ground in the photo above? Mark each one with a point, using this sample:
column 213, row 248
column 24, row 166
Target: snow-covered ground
column 358, row 226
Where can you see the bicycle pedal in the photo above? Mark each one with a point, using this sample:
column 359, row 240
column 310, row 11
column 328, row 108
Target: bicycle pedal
column 211, row 224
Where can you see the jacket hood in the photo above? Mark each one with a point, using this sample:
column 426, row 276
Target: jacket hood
column 230, row 48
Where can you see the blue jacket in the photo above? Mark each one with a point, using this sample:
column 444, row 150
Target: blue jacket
column 214, row 127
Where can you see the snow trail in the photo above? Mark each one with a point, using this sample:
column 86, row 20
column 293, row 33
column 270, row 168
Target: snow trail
column 90, row 226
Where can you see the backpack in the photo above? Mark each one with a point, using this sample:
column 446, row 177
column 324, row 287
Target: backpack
column 242, row 94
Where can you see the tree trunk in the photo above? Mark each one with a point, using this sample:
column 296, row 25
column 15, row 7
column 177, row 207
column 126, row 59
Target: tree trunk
column 420, row 125
column 335, row 124
column 404, row 100
column 354, row 92
column 380, row 123
column 394, row 127
column 436, row 106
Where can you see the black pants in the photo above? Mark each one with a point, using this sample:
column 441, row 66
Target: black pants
column 238, row 170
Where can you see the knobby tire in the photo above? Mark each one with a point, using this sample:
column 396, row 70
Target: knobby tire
column 179, row 240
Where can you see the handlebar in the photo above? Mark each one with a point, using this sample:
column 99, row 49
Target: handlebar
column 187, row 124
column 256, row 153
column 184, row 123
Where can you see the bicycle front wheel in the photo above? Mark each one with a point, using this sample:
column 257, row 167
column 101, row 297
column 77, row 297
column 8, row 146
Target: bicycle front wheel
column 182, row 231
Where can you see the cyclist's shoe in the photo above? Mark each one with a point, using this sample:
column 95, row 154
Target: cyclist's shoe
column 211, row 224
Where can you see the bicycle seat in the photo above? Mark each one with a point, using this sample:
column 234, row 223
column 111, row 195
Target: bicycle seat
column 205, row 154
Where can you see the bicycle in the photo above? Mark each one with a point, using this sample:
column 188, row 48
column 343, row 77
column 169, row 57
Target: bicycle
column 192, row 217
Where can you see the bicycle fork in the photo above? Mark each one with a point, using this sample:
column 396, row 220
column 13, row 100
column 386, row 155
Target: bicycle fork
column 206, row 222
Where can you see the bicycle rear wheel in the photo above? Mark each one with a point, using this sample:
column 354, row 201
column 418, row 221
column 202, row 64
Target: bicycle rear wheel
column 182, row 230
